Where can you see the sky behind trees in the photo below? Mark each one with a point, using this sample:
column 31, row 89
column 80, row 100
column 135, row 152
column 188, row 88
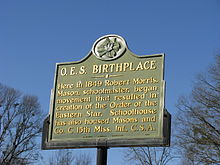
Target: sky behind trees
column 34, row 35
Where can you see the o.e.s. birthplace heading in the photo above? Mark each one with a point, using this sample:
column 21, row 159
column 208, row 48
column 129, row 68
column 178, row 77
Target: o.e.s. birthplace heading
column 109, row 68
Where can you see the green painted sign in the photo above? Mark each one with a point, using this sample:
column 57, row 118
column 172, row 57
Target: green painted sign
column 112, row 97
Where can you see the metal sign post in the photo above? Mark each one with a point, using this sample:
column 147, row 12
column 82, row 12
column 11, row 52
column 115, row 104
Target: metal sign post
column 102, row 153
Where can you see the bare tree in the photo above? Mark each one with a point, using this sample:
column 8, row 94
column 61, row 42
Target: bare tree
column 20, row 124
column 198, row 120
column 149, row 155
column 67, row 157
column 83, row 159
column 61, row 157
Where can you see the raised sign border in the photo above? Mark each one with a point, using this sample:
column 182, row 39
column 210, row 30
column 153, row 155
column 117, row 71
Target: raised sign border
column 164, row 140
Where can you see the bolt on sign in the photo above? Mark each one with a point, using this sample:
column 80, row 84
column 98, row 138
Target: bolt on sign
column 111, row 98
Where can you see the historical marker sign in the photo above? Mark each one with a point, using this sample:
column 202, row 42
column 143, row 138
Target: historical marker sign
column 110, row 98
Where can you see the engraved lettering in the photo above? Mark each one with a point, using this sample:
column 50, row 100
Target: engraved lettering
column 63, row 72
column 102, row 129
column 121, row 128
column 59, row 131
column 120, row 105
column 72, row 71
column 67, row 115
column 93, row 114
column 119, row 120
column 100, row 106
column 83, row 130
column 145, row 89
column 132, row 112
column 82, row 70
column 102, row 98
column 68, row 93
column 124, row 67
column 65, row 86
column 116, row 83
column 149, row 119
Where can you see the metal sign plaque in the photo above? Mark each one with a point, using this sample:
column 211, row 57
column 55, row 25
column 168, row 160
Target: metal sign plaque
column 110, row 98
